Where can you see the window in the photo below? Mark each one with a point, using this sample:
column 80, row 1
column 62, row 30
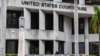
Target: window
column 94, row 48
column 13, row 19
column 68, row 1
column 48, row 21
column 61, row 23
column 92, row 2
column 34, row 47
column 34, row 20
column 61, row 47
column 72, row 26
column 48, row 47
column 81, row 26
column 73, row 47
column 11, row 46
column 81, row 47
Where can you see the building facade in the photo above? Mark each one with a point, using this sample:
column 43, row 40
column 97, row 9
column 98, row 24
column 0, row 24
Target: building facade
column 49, row 26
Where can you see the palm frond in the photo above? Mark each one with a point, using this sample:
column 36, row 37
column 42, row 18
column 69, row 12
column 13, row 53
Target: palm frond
column 94, row 23
column 97, row 10
column 94, row 19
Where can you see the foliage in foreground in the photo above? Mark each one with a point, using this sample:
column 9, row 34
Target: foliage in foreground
column 11, row 54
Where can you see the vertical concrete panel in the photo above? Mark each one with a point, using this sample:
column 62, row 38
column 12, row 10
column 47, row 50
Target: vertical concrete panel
column 67, row 30
column 86, row 36
column 76, row 16
column 3, row 26
column 21, row 42
column 41, row 47
column 0, row 4
column 82, row 2
column 27, row 45
column 0, row 19
column 41, row 20
column 68, row 48
column 27, row 17
column 55, row 46
column 57, row 0
column 55, row 18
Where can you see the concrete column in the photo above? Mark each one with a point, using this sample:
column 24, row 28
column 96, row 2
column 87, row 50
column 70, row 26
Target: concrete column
column 82, row 2
column 57, row 0
column 55, row 18
column 21, row 43
column 3, row 27
column 0, row 4
column 27, row 46
column 41, row 20
column 55, row 46
column 27, row 17
column 0, row 19
column 86, row 36
column 76, row 28
column 41, row 47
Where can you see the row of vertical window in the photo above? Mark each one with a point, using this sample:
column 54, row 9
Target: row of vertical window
column 82, row 26
column 93, row 48
column 13, row 20
column 12, row 47
column 88, row 2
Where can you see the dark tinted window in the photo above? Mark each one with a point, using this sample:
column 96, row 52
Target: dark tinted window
column 34, row 20
column 73, row 47
column 81, row 26
column 13, row 19
column 48, row 47
column 92, row 2
column 34, row 47
column 61, row 47
column 81, row 47
column 11, row 46
column 61, row 23
column 48, row 21
column 94, row 48
column 72, row 26
column 68, row 1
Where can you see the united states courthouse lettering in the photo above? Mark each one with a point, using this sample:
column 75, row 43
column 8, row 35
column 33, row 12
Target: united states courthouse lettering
column 49, row 27
column 51, row 5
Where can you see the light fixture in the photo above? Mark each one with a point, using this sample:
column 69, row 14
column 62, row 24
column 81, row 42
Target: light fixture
column 21, row 22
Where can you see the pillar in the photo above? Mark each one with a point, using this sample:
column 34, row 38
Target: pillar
column 27, row 17
column 55, row 47
column 41, row 47
column 76, row 28
column 41, row 20
column 82, row 2
column 3, row 27
column 55, row 18
column 57, row 0
column 27, row 46
column 86, row 37
column 21, row 42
